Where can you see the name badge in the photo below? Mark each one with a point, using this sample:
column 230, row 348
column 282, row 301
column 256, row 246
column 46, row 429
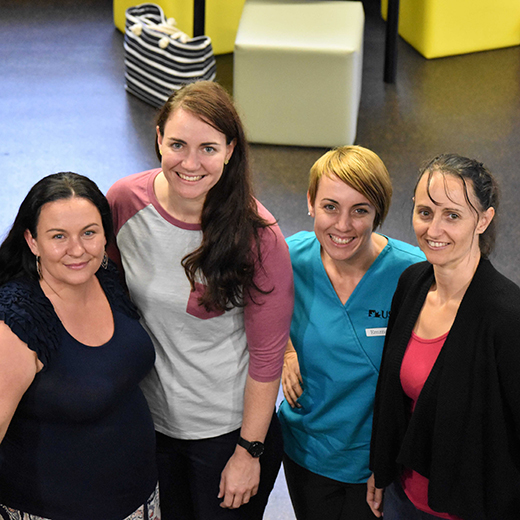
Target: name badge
column 381, row 331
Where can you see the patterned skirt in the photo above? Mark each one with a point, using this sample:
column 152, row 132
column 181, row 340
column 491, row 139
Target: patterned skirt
column 148, row 511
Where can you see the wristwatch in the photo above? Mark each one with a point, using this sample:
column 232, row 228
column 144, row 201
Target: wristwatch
column 255, row 448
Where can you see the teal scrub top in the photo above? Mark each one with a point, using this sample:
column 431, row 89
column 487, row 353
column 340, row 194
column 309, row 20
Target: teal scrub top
column 339, row 350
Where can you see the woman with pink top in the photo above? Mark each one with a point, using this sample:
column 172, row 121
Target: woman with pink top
column 446, row 431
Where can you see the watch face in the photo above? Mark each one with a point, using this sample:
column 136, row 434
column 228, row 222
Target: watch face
column 256, row 449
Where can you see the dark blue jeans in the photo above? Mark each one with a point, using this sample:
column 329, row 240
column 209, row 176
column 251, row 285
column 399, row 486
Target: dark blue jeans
column 397, row 505
column 189, row 476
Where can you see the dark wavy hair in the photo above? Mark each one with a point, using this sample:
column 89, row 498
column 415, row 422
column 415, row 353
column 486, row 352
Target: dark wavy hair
column 230, row 221
column 16, row 259
column 475, row 177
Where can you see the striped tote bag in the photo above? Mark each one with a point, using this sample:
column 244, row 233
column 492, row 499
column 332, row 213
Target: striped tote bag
column 159, row 58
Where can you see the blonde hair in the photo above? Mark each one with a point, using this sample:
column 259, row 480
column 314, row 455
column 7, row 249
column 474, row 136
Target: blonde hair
column 362, row 170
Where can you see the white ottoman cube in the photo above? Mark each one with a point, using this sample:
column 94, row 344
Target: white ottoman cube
column 297, row 71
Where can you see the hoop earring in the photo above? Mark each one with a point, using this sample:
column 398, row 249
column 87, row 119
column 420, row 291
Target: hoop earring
column 104, row 262
column 38, row 268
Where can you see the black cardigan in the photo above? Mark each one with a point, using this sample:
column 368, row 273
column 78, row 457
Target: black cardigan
column 464, row 434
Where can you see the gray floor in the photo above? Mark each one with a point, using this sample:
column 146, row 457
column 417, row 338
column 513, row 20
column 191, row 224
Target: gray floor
column 63, row 107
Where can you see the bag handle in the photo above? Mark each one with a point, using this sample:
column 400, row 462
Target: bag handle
column 167, row 26
column 170, row 27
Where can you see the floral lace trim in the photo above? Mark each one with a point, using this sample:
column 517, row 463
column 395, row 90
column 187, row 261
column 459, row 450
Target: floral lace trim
column 31, row 316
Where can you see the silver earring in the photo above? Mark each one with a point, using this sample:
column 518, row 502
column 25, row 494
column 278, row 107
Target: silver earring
column 104, row 262
column 38, row 267
column 309, row 213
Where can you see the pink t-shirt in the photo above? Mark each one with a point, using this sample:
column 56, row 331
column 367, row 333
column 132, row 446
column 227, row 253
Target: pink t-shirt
column 418, row 361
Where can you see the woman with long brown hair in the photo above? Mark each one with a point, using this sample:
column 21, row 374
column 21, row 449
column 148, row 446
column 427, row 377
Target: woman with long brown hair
column 209, row 269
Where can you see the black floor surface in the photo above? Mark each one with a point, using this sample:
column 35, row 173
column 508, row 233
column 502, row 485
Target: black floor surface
column 63, row 107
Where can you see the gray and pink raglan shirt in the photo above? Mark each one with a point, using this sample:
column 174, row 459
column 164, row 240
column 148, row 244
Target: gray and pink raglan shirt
column 196, row 389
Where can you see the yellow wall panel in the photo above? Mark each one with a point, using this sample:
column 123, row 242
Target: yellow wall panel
column 446, row 27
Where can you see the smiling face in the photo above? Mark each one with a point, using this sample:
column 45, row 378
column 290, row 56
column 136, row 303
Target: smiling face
column 70, row 241
column 193, row 155
column 448, row 229
column 343, row 221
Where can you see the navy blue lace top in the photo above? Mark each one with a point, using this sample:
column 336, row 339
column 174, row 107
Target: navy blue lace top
column 81, row 445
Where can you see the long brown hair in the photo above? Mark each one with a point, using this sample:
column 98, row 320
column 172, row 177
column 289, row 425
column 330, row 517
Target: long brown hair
column 230, row 221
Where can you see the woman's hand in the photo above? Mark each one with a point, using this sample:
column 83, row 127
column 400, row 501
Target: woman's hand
column 239, row 480
column 374, row 497
column 291, row 377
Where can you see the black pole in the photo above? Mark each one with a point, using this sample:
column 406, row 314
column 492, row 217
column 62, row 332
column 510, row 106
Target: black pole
column 392, row 27
column 199, row 14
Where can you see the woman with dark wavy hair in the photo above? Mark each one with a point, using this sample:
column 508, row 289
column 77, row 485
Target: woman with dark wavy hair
column 209, row 269
column 76, row 435
column 445, row 437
